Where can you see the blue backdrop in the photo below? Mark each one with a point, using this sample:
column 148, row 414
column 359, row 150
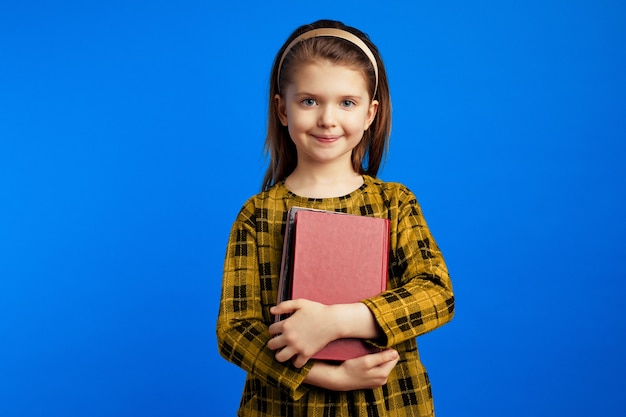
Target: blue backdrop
column 131, row 133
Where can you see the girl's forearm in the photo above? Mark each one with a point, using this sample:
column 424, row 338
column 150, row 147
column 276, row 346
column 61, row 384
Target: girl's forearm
column 323, row 375
column 355, row 321
column 369, row 371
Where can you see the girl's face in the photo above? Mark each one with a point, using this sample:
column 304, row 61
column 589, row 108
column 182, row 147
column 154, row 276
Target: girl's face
column 326, row 109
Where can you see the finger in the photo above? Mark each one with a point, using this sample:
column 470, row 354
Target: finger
column 383, row 357
column 276, row 328
column 385, row 369
column 300, row 361
column 276, row 343
column 284, row 354
column 390, row 355
column 285, row 307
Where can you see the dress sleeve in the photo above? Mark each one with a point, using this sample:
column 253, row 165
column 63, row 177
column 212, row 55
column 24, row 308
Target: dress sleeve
column 242, row 332
column 420, row 297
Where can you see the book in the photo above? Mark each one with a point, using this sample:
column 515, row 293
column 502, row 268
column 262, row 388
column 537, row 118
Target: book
column 334, row 258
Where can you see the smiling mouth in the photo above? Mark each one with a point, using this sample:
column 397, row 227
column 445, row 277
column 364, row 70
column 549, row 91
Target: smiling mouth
column 326, row 138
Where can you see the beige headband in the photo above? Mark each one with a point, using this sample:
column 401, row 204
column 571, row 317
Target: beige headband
column 336, row 33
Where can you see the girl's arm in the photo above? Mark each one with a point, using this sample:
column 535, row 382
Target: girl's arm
column 366, row 372
column 419, row 300
column 420, row 296
column 312, row 325
column 242, row 329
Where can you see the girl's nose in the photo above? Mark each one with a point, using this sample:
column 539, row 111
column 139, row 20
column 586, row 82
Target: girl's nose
column 327, row 117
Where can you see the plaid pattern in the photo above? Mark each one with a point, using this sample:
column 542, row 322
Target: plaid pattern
column 419, row 299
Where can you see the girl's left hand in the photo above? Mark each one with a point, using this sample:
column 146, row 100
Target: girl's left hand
column 309, row 328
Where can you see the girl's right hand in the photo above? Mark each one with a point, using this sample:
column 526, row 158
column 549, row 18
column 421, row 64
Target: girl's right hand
column 369, row 371
column 366, row 372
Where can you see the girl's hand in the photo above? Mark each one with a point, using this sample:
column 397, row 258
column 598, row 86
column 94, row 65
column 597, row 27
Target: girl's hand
column 369, row 371
column 366, row 372
column 310, row 327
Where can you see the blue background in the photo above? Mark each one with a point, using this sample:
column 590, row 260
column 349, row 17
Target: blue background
column 131, row 133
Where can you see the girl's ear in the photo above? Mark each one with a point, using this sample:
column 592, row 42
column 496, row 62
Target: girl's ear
column 371, row 114
column 281, row 111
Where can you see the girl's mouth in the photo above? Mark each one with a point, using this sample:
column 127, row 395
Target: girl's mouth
column 326, row 138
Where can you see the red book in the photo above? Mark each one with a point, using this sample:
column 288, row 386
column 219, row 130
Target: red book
column 334, row 258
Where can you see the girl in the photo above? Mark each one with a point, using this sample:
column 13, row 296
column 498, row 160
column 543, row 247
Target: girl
column 329, row 124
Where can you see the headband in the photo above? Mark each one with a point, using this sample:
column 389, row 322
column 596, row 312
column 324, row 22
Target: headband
column 335, row 33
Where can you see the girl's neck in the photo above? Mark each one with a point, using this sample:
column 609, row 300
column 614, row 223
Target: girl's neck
column 324, row 183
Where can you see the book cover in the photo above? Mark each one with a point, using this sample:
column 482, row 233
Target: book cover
column 334, row 258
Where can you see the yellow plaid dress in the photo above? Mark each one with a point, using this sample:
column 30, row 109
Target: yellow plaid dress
column 419, row 299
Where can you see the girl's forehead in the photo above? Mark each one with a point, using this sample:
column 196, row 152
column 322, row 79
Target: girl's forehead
column 327, row 70
column 328, row 78
column 322, row 62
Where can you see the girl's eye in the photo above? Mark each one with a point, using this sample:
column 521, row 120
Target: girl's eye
column 348, row 103
column 309, row 102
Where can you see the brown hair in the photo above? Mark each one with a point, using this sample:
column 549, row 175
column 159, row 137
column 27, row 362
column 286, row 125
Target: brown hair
column 368, row 154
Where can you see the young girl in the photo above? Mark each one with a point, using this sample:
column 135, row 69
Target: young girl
column 329, row 124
